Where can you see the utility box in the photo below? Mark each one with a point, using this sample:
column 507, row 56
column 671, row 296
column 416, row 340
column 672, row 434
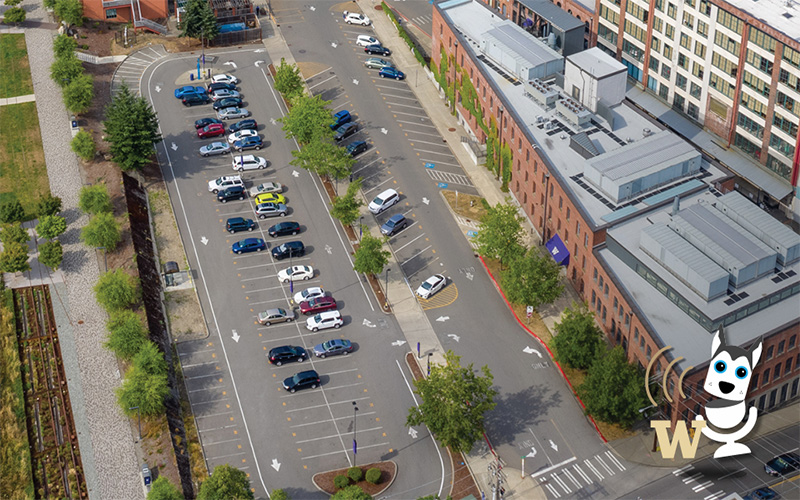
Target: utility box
column 147, row 477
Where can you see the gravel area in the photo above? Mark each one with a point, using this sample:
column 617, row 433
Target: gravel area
column 108, row 452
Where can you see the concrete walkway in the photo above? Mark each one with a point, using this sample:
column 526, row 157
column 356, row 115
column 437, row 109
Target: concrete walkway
column 18, row 99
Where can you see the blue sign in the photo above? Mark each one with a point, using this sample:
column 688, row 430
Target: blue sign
column 355, row 447
column 442, row 185
column 558, row 250
column 472, row 234
column 430, row 165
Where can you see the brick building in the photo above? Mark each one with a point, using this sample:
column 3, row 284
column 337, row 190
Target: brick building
column 142, row 13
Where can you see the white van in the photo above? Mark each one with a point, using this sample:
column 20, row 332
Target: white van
column 323, row 320
column 383, row 201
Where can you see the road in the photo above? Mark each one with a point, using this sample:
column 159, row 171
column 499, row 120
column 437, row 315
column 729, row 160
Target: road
column 418, row 12
column 244, row 416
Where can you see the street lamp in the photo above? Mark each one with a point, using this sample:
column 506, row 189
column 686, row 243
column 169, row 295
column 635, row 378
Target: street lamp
column 355, row 445
column 139, row 418
column 360, row 227
column 386, row 296
column 430, row 354
column 105, row 258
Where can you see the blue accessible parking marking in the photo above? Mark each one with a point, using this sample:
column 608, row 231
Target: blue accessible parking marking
column 442, row 185
column 430, row 165
column 472, row 234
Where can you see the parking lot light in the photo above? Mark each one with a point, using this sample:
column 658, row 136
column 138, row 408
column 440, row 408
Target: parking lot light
column 429, row 363
column 355, row 444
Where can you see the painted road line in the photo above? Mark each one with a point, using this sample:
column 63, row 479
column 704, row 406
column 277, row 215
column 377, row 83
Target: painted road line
column 217, row 428
column 600, row 477
column 322, row 406
column 345, row 451
column 553, row 467
column 317, row 74
column 416, row 123
column 210, row 402
column 328, row 420
column 553, row 491
column 266, row 302
column 448, row 153
column 221, row 442
column 701, row 487
column 199, row 364
column 572, row 478
column 582, row 474
column 410, row 242
column 396, row 86
column 189, row 353
column 561, row 483
column 606, row 467
column 683, row 469
column 320, row 83
column 407, row 114
column 379, row 185
column 422, row 269
column 399, row 96
column 415, row 141
column 415, row 255
column 449, row 177
column 336, row 435
column 203, row 389
column 692, row 479
column 366, row 166
column 615, row 461
column 439, row 162
column 341, row 105
column 343, row 386
column 404, row 105
column 203, row 376
column 227, row 456
column 716, row 495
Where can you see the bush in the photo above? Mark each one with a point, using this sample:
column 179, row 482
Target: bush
column 12, row 212
column 51, row 226
column 101, row 231
column 48, row 205
column 65, row 69
column 279, row 494
column 14, row 15
column 83, row 145
column 341, row 481
column 14, row 233
column 355, row 473
column 51, row 254
column 373, row 475
column 79, row 93
column 127, row 334
column 95, row 199
column 63, row 45
column 162, row 489
column 116, row 290
column 14, row 258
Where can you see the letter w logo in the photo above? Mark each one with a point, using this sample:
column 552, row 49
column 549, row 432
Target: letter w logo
column 680, row 439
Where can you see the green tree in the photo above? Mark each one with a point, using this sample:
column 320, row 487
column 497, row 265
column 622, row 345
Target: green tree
column 65, row 69
column 48, row 205
column 64, row 46
column 338, row 164
column 127, row 334
column 95, row 199
column 454, row 401
column 14, row 233
column 308, row 119
column 613, row 390
column 288, row 81
column 225, row 483
column 69, row 11
column 578, row 339
column 131, row 127
column 49, row 4
column 150, row 360
column 352, row 492
column 83, row 145
column 51, row 226
column 14, row 258
column 12, row 211
column 371, row 258
column 279, row 494
column 500, row 233
column 14, row 15
column 101, row 231
column 199, row 21
column 345, row 208
column 142, row 390
column 163, row 489
column 116, row 290
column 79, row 93
column 532, row 279
column 51, row 254
column 12, row 2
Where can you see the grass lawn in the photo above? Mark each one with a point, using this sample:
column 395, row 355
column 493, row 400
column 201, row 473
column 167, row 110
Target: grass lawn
column 23, row 173
column 15, row 72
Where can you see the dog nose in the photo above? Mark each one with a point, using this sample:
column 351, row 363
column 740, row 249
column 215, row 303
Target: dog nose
column 726, row 387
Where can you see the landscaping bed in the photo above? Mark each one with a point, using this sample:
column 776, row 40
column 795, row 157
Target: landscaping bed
column 324, row 480
column 15, row 72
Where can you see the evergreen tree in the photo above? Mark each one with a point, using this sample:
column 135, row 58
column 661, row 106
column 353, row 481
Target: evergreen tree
column 95, row 199
column 51, row 254
column 101, row 231
column 48, row 205
column 199, row 21
column 127, row 334
column 131, row 127
column 51, row 226
column 79, row 93
column 14, row 15
column 14, row 258
column 14, row 233
column 64, row 46
column 66, row 69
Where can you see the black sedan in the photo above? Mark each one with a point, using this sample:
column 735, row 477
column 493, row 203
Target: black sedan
column 202, row 122
column 301, row 380
column 377, row 49
column 345, row 131
column 248, row 124
column 280, row 355
column 228, row 102
column 284, row 229
column 356, row 148
column 220, row 86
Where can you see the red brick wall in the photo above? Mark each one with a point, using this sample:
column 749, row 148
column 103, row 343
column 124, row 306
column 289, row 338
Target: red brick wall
column 151, row 9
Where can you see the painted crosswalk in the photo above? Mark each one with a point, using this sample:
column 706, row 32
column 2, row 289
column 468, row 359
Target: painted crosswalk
column 450, row 178
column 694, row 480
column 575, row 476
column 420, row 20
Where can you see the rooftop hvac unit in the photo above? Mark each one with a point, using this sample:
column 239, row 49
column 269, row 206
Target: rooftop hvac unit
column 646, row 132
column 541, row 92
column 573, row 111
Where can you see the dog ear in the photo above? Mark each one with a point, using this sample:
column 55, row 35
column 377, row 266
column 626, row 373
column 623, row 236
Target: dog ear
column 755, row 351
column 717, row 342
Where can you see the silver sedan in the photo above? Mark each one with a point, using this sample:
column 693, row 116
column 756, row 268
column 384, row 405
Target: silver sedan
column 215, row 148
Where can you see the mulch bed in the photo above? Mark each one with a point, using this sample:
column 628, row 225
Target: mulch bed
column 463, row 483
column 324, row 480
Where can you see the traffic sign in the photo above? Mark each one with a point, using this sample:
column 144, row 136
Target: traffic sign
column 529, row 310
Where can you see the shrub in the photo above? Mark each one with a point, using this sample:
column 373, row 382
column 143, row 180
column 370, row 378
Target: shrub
column 355, row 473
column 51, row 226
column 83, row 145
column 65, row 69
column 14, row 15
column 101, row 231
column 51, row 254
column 95, row 199
column 116, row 290
column 127, row 333
column 373, row 475
column 48, row 205
column 78, row 94
column 12, row 212
column 279, row 494
column 13, row 233
column 341, row 481
column 63, row 45
column 14, row 258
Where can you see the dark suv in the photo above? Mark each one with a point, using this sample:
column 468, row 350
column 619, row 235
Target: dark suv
column 236, row 224
column 286, row 353
column 231, row 193
column 783, row 465
column 290, row 248
column 196, row 99
column 345, row 131
column 301, row 380
column 221, row 86
column 284, row 229
column 356, row 148
column 248, row 124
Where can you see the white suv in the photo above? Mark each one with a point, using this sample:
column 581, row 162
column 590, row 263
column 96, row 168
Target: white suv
column 323, row 320
column 383, row 201
column 364, row 40
column 248, row 162
column 356, row 18
column 225, row 182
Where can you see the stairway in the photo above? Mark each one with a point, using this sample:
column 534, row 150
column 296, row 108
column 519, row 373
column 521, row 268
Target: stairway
column 140, row 22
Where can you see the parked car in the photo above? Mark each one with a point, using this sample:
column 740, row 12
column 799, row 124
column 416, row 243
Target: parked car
column 289, row 249
column 377, row 63
column 182, row 92
column 333, row 348
column 301, row 380
column 237, row 224
column 284, row 229
column 377, row 49
column 248, row 124
column 248, row 245
column 215, row 148
column 231, row 193
column 388, row 72
column 218, row 94
column 266, row 187
column 783, row 465
column 253, row 142
column 223, row 182
column 323, row 320
column 195, row 100
column 340, row 118
column 271, row 210
column 224, row 78
column 270, row 198
column 277, row 315
column 308, row 294
column 228, row 102
column 221, row 86
column 356, row 18
column 355, row 148
column 431, row 285
column 248, row 162
column 345, row 131
column 383, row 201
column 213, row 130
column 202, row 122
column 318, row 305
column 242, row 134
column 233, row 112
column 285, row 353
column 762, row 494
column 394, row 225
column 364, row 40
column 295, row 273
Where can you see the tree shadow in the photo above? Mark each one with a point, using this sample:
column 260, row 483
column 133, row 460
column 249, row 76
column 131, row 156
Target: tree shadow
column 519, row 410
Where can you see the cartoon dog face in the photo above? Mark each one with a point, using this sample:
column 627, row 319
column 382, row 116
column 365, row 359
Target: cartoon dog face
column 731, row 368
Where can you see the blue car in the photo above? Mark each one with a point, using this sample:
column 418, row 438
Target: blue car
column 389, row 72
column 341, row 118
column 252, row 142
column 189, row 90
column 249, row 245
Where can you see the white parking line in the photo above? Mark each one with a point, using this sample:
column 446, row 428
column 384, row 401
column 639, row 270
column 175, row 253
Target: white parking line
column 404, row 105
column 379, row 185
column 269, row 341
column 203, row 431
column 429, row 264
column 221, row 442
column 252, row 267
column 407, row 114
column 448, row 153
column 394, row 87
column 322, row 406
column 701, row 487
column 268, row 289
column 336, row 435
column 716, row 495
column 327, row 420
column 189, row 353
column 442, row 144
column 692, row 479
column 226, row 456
column 399, row 96
column 265, row 302
column 199, row 364
column 259, row 277
column 410, row 242
column 415, row 255
column 320, row 83
column 680, row 471
column 202, row 376
column 209, row 402
column 416, row 123
column 367, row 165
column 346, row 451
column 203, row 389
column 317, row 74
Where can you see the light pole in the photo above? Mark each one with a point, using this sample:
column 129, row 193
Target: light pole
column 386, row 296
column 139, row 419
column 105, row 259
column 355, row 445
column 429, row 363
column 360, row 227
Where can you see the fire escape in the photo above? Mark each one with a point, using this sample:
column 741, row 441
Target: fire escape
column 136, row 16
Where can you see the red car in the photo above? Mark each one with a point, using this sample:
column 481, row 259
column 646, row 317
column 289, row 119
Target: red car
column 213, row 130
column 318, row 305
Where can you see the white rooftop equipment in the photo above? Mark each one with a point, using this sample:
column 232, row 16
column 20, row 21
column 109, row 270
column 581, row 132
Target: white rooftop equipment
column 592, row 76
column 520, row 54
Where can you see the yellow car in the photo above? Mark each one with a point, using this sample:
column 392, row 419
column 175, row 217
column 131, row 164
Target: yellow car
column 270, row 198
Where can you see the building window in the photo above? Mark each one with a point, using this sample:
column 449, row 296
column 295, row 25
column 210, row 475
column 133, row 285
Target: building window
column 669, row 31
column 728, row 67
column 750, row 125
column 697, row 70
column 678, row 102
column 777, row 373
column 604, row 314
column 791, row 56
column 586, row 239
column 636, row 334
column 719, row 84
column 680, row 81
column 663, row 91
column 788, row 103
column 748, row 147
column 766, row 377
column 781, row 146
column 111, row 13
column 727, row 43
column 779, row 167
column 605, row 291
column 700, row 50
column 688, row 20
column 754, row 382
column 686, row 42
column 683, row 61
column 649, row 352
column 788, row 366
column 594, row 297
column 754, row 105
column 658, row 24
column 672, row 10
column 770, row 351
column 756, row 83
column 692, row 110
column 702, row 29
column 781, row 345
column 761, row 39
column 792, row 341
column 759, row 62
column 666, row 71
column 667, row 51
column 730, row 21
column 695, row 90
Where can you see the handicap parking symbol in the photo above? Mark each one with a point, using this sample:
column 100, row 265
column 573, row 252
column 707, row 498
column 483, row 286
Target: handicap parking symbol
column 442, row 185
column 430, row 165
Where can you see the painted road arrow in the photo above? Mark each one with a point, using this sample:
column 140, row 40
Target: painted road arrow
column 425, row 200
column 204, row 240
column 398, row 343
column 553, row 445
column 530, row 350
column 412, row 432
column 258, row 51
column 158, row 88
column 174, row 147
column 442, row 318
column 230, row 63
column 258, row 63
column 235, row 336
column 275, row 464
column 454, row 337
column 532, row 453
column 328, row 249
column 368, row 323
column 355, row 81
column 295, row 173
column 384, row 131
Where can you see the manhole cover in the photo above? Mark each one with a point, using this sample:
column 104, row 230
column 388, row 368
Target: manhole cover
column 379, row 7
column 80, row 321
column 451, row 129
column 302, row 51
